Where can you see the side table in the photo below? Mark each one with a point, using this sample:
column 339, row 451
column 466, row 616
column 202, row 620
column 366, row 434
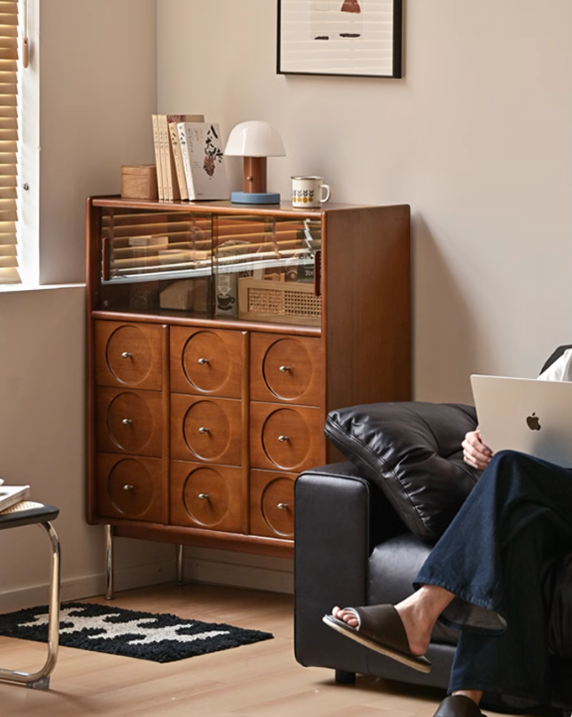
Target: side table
column 28, row 513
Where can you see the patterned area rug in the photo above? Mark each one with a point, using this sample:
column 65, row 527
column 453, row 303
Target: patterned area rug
column 144, row 635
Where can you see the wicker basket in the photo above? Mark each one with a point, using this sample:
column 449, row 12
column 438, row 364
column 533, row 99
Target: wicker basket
column 280, row 301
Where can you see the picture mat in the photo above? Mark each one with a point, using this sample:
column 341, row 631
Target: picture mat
column 370, row 54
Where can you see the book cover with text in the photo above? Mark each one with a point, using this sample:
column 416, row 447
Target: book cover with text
column 203, row 160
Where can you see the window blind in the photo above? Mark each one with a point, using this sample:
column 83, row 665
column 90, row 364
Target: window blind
column 8, row 141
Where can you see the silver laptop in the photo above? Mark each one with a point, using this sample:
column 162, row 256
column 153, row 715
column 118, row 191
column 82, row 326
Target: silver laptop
column 525, row 414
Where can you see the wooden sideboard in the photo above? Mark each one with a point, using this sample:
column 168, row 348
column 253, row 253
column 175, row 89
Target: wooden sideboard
column 219, row 337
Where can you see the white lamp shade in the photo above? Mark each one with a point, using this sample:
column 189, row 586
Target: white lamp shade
column 254, row 139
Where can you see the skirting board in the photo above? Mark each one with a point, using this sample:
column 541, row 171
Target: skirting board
column 220, row 567
column 212, row 567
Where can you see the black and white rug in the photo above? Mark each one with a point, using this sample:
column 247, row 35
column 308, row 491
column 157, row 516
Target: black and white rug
column 144, row 635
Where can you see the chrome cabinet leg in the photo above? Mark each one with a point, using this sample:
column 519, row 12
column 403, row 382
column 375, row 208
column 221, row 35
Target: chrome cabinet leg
column 180, row 556
column 109, row 562
column 40, row 680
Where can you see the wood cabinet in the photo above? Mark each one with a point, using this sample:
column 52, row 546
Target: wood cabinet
column 219, row 337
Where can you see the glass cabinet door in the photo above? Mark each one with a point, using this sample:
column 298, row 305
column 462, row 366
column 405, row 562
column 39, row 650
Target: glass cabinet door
column 156, row 260
column 265, row 268
column 238, row 266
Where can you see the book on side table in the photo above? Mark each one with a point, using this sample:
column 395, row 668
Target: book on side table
column 12, row 494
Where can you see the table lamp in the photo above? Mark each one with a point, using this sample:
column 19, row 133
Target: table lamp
column 254, row 140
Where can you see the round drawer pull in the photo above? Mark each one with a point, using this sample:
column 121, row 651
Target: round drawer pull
column 126, row 355
column 127, row 486
column 284, row 369
column 202, row 429
column 282, row 506
column 203, row 496
column 127, row 421
column 282, row 439
column 203, row 361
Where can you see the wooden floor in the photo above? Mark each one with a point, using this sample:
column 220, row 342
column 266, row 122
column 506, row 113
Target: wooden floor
column 260, row 680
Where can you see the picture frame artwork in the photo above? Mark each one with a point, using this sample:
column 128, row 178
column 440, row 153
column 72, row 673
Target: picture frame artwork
column 359, row 38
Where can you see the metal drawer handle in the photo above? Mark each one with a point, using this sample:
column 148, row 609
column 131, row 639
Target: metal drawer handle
column 282, row 506
column 203, row 361
column 284, row 369
column 128, row 487
column 126, row 354
column 202, row 429
column 203, row 496
column 126, row 421
column 283, row 438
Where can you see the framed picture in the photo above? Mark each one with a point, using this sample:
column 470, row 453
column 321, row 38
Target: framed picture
column 361, row 38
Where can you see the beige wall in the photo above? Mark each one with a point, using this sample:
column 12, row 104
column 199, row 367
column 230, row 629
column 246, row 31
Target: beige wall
column 98, row 79
column 476, row 137
column 97, row 92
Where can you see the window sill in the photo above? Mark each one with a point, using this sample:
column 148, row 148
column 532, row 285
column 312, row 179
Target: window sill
column 16, row 288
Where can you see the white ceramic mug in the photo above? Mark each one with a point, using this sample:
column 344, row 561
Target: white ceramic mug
column 309, row 192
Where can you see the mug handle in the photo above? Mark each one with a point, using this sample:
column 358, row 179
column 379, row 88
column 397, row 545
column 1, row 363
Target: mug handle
column 327, row 188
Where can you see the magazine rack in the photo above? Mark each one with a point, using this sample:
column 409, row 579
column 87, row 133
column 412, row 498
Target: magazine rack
column 32, row 513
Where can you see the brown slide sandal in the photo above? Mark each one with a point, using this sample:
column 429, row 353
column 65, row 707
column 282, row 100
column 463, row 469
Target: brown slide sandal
column 380, row 628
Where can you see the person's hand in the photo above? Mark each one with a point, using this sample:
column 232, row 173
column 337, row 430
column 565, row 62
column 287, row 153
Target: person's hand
column 475, row 453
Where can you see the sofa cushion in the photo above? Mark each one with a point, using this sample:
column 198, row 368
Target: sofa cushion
column 412, row 451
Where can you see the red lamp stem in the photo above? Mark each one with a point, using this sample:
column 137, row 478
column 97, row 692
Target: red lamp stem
column 254, row 175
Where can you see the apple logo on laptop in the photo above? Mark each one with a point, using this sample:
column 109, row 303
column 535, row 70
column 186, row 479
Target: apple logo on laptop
column 533, row 422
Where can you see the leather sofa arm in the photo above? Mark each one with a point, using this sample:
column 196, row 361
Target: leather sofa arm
column 333, row 521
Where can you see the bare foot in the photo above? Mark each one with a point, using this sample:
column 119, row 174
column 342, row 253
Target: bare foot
column 348, row 617
column 474, row 695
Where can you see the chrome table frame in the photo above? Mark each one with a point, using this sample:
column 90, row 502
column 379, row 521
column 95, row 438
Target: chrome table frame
column 29, row 513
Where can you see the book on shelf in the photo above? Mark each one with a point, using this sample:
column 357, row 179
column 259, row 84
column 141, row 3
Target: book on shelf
column 181, row 181
column 203, row 160
column 167, row 181
column 157, row 146
column 12, row 494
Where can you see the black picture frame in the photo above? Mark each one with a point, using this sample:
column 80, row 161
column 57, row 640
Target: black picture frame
column 341, row 38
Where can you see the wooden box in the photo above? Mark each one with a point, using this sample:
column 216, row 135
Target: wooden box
column 139, row 181
column 283, row 301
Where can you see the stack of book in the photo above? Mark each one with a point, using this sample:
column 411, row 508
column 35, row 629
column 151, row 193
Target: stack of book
column 189, row 158
column 12, row 494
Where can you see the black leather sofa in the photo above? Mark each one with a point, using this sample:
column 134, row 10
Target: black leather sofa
column 353, row 546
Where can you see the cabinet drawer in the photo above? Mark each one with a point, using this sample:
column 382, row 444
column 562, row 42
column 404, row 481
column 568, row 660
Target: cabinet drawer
column 129, row 487
column 288, row 368
column 129, row 421
column 272, row 504
column 285, row 437
column 207, row 361
column 128, row 355
column 207, row 429
column 206, row 496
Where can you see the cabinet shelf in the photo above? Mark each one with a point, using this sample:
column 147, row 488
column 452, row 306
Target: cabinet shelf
column 187, row 271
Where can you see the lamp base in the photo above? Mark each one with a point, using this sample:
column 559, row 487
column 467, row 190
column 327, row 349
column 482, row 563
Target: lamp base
column 255, row 198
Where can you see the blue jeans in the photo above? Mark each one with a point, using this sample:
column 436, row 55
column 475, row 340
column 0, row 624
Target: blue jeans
column 494, row 556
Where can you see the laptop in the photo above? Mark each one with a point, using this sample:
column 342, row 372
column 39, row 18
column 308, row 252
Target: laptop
column 525, row 414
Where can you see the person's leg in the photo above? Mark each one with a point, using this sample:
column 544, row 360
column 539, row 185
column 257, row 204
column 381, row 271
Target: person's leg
column 470, row 559
column 469, row 562
column 517, row 661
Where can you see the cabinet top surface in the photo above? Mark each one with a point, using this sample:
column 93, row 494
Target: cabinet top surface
column 223, row 207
